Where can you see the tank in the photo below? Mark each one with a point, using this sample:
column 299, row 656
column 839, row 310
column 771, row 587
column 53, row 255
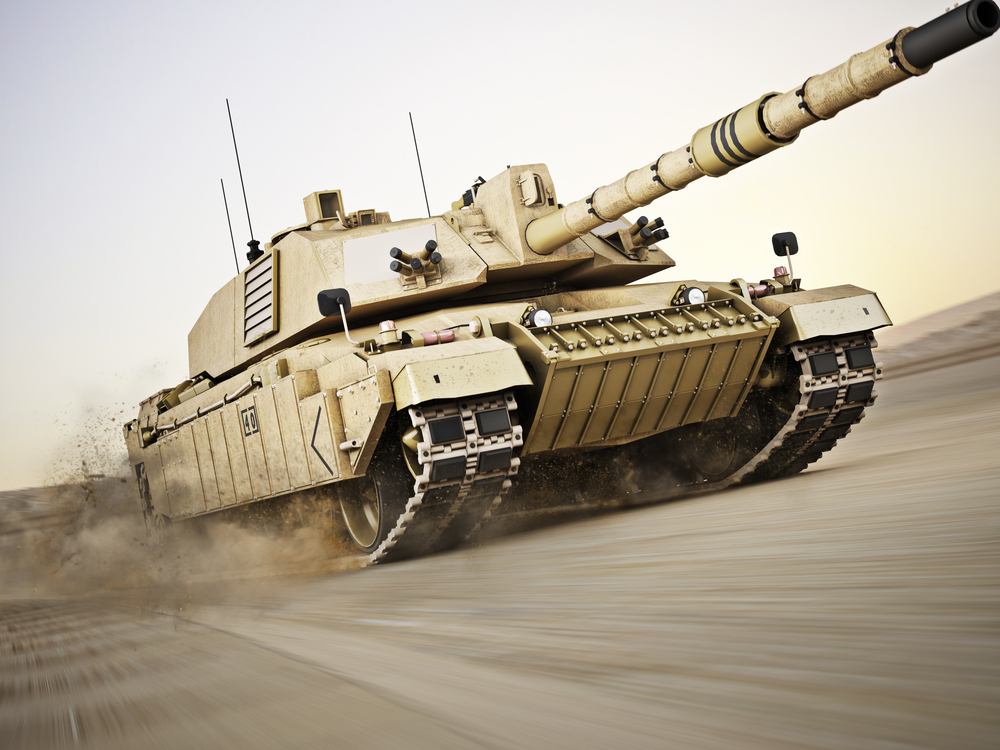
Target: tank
column 424, row 375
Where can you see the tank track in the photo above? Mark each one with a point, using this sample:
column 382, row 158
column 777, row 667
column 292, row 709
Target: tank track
column 837, row 383
column 467, row 456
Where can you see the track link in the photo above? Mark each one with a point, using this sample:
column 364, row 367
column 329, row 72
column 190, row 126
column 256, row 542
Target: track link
column 837, row 383
column 466, row 454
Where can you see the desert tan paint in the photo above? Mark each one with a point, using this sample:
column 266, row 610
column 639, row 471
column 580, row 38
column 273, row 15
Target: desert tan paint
column 458, row 374
column 825, row 312
column 292, row 403
column 863, row 76
column 365, row 407
column 614, row 379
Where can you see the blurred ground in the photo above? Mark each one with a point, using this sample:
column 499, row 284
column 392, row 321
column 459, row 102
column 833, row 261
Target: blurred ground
column 856, row 605
column 960, row 334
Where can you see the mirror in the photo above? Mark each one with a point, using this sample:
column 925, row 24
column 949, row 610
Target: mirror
column 330, row 301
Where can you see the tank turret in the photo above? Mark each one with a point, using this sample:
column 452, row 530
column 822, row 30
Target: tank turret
column 427, row 375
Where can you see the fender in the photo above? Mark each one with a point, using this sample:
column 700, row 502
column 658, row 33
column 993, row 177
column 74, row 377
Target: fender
column 830, row 311
column 456, row 370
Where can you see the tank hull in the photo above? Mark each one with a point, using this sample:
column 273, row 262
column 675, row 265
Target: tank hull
column 315, row 414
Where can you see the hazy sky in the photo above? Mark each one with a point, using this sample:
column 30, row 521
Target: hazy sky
column 115, row 136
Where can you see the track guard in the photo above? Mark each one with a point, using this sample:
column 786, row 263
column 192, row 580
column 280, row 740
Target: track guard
column 831, row 311
column 365, row 406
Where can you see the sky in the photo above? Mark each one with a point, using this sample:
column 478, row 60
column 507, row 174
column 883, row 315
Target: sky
column 114, row 137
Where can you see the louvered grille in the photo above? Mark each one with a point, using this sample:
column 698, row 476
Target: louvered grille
column 260, row 299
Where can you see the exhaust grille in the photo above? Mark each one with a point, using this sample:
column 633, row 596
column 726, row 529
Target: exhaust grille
column 260, row 299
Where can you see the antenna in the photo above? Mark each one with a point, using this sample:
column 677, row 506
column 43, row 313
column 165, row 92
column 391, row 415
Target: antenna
column 254, row 245
column 230, row 222
column 422, row 183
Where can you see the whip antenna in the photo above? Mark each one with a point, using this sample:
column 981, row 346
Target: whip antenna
column 422, row 183
column 230, row 222
column 254, row 245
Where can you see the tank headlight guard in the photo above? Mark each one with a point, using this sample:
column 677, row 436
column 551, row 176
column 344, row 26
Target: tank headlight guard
column 692, row 296
column 539, row 317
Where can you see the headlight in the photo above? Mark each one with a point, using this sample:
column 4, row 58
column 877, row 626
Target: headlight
column 539, row 318
column 692, row 296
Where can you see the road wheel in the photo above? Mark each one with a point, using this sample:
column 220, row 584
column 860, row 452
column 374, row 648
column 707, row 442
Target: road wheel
column 715, row 449
column 372, row 504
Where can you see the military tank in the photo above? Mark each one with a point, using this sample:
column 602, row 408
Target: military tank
column 412, row 369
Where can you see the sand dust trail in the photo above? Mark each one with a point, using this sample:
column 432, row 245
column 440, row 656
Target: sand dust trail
column 856, row 605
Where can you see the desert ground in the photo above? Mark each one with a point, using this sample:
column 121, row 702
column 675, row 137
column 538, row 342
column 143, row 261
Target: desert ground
column 856, row 605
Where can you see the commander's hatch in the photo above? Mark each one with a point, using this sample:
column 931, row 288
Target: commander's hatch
column 325, row 211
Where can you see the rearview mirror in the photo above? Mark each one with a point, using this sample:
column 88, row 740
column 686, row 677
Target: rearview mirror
column 330, row 301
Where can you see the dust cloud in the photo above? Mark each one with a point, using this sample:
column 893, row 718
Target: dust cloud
column 89, row 535
column 84, row 531
column 551, row 489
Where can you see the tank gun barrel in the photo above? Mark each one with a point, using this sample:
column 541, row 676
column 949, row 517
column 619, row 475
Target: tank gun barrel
column 772, row 121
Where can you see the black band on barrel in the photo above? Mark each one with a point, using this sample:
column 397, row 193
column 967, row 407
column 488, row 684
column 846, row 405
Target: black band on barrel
column 715, row 147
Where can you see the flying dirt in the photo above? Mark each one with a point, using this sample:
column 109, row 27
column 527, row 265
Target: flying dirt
column 855, row 605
